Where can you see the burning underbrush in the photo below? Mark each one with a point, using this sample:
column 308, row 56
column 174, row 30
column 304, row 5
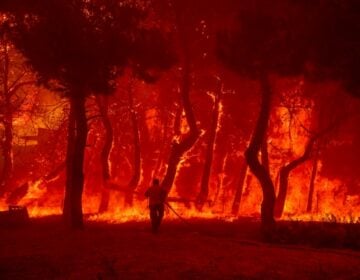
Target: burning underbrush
column 132, row 139
column 326, row 229
column 40, row 202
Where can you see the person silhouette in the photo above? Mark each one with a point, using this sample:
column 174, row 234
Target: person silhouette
column 156, row 196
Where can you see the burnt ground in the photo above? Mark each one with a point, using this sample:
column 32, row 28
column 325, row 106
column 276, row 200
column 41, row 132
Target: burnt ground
column 203, row 249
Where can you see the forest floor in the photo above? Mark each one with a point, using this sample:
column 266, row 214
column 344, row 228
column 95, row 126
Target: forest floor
column 202, row 249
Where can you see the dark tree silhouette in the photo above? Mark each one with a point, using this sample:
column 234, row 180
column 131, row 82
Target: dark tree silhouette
column 284, row 176
column 180, row 147
column 309, row 205
column 204, row 186
column 83, row 46
column 134, row 181
column 261, row 44
column 16, row 80
column 332, row 48
column 267, row 41
column 103, row 105
column 239, row 188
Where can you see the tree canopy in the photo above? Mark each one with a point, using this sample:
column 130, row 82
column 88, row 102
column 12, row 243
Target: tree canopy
column 86, row 43
column 318, row 39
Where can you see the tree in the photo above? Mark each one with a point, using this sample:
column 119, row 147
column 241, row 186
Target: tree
column 179, row 147
column 309, row 205
column 304, row 40
column 239, row 188
column 259, row 46
column 214, row 126
column 82, row 45
column 102, row 102
column 284, row 176
column 15, row 77
column 137, row 149
column 332, row 48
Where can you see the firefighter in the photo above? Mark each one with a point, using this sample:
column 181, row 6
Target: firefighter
column 157, row 197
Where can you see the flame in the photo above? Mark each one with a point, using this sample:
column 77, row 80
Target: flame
column 184, row 126
column 151, row 116
column 343, row 208
column 287, row 136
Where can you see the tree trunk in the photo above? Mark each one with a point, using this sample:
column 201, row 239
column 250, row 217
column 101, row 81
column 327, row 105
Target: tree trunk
column 265, row 154
column 312, row 184
column 179, row 148
column 177, row 122
column 105, row 153
column 239, row 189
column 284, row 178
column 160, row 158
column 7, row 147
column 252, row 157
column 204, row 187
column 137, row 152
column 8, row 126
column 69, row 164
column 77, row 136
column 147, row 160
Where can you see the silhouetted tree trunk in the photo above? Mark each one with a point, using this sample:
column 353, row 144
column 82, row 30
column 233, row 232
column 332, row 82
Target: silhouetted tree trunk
column 69, row 163
column 284, row 177
column 252, row 156
column 204, row 186
column 11, row 81
column 160, row 159
column 265, row 154
column 105, row 152
column 222, row 160
column 312, row 183
column 137, row 151
column 239, row 189
column 77, row 136
column 177, row 122
column 179, row 148
column 147, row 162
column 8, row 126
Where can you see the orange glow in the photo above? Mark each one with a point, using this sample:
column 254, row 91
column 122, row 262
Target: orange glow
column 286, row 141
column 342, row 208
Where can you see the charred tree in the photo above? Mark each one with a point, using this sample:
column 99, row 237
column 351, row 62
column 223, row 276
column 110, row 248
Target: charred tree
column 284, row 177
column 137, row 151
column 105, row 152
column 84, row 54
column 204, row 187
column 177, row 122
column 252, row 156
column 13, row 78
column 161, row 155
column 219, row 178
column 7, row 122
column 179, row 148
column 272, row 51
column 239, row 189
column 147, row 158
column 265, row 154
column 77, row 136
column 309, row 206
